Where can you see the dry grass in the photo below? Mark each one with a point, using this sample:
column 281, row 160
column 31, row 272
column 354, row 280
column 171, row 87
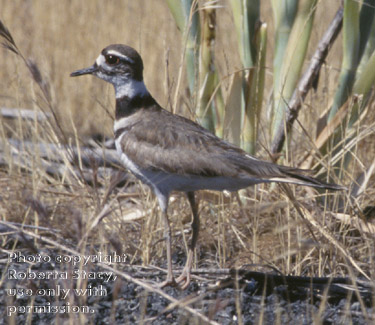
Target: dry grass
column 258, row 229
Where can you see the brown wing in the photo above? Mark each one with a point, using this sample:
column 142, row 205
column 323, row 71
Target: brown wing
column 173, row 144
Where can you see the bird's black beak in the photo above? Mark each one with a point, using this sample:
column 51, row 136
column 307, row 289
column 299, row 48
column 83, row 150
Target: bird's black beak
column 89, row 70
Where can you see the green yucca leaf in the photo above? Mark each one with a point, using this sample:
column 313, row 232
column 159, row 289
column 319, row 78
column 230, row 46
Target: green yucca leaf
column 367, row 37
column 284, row 13
column 294, row 57
column 207, row 72
column 357, row 77
column 186, row 16
column 199, row 57
column 180, row 15
column 245, row 15
column 366, row 19
column 307, row 80
column 369, row 49
column 219, row 108
column 232, row 117
column 246, row 18
column 366, row 79
column 350, row 55
column 362, row 87
column 255, row 93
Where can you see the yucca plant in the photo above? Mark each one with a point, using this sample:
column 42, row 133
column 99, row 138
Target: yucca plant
column 243, row 104
column 294, row 21
column 356, row 79
column 254, row 93
column 197, row 25
column 186, row 17
column 202, row 74
column 252, row 41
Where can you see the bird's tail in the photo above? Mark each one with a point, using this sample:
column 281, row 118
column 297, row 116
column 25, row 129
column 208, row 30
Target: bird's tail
column 298, row 176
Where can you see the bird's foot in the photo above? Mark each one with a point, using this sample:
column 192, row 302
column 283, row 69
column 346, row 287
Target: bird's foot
column 169, row 282
column 184, row 279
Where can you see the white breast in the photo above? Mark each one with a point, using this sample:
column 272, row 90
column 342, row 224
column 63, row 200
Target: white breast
column 129, row 164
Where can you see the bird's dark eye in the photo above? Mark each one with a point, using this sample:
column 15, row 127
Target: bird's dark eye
column 111, row 59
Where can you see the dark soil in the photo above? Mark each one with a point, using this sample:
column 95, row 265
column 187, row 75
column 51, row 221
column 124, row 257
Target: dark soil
column 255, row 298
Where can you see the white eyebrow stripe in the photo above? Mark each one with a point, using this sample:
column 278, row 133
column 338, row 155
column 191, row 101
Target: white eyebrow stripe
column 122, row 56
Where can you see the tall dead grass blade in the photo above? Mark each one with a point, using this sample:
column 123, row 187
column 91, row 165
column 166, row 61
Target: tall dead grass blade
column 42, row 83
column 306, row 215
column 362, row 181
column 8, row 42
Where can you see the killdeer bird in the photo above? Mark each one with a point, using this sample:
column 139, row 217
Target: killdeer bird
column 171, row 153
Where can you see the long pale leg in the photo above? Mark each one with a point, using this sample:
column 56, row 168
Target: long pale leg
column 184, row 278
column 163, row 201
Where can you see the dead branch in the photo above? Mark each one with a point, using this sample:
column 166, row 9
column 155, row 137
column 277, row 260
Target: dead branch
column 307, row 81
column 25, row 114
column 98, row 156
